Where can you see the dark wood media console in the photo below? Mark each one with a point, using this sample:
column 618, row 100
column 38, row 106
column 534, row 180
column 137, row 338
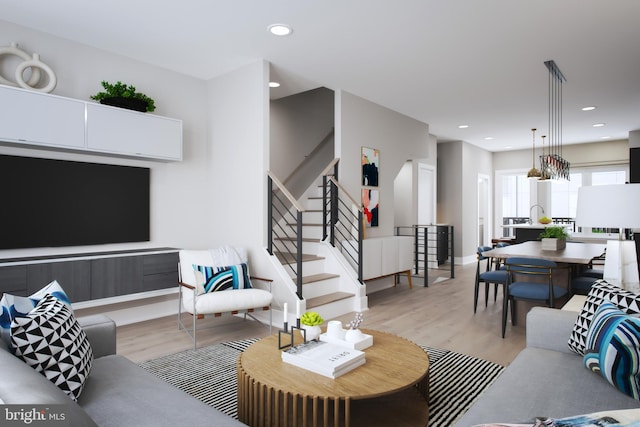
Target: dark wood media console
column 90, row 276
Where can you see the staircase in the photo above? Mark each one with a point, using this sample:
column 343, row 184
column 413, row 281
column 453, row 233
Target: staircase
column 329, row 284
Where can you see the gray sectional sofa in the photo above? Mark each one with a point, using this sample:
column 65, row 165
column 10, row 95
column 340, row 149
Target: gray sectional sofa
column 546, row 379
column 117, row 392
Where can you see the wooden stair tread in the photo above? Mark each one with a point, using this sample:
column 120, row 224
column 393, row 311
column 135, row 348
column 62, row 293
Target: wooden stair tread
column 318, row 277
column 286, row 258
column 294, row 239
column 326, row 299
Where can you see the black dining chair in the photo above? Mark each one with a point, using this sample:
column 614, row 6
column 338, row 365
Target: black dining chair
column 497, row 264
column 488, row 276
column 595, row 268
column 529, row 279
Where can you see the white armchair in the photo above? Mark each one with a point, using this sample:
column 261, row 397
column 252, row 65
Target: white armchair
column 194, row 300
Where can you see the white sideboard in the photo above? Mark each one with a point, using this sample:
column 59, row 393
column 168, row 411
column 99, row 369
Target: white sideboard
column 49, row 121
column 383, row 256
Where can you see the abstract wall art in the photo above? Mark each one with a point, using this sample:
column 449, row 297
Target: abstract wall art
column 370, row 166
column 370, row 203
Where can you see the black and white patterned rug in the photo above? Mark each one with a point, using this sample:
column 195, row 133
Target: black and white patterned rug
column 455, row 380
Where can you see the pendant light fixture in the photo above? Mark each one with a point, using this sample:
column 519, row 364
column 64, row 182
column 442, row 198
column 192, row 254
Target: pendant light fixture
column 553, row 164
column 544, row 173
column 533, row 172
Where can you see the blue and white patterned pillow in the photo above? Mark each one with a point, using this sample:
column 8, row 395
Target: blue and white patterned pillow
column 600, row 292
column 613, row 348
column 13, row 306
column 224, row 278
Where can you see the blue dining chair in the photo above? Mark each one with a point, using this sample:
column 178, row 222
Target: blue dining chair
column 488, row 276
column 581, row 285
column 529, row 279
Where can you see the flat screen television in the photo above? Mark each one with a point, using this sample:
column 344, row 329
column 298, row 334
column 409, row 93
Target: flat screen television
column 53, row 203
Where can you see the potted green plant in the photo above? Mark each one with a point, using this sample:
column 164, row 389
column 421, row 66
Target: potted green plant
column 311, row 322
column 554, row 238
column 124, row 96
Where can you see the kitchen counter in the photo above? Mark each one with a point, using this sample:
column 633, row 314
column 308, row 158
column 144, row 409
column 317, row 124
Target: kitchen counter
column 528, row 232
column 536, row 225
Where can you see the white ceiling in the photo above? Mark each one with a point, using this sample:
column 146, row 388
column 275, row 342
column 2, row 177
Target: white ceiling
column 444, row 62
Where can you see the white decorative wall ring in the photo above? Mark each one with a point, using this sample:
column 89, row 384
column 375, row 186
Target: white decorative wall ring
column 35, row 64
column 15, row 50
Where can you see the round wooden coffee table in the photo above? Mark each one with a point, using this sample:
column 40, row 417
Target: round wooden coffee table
column 391, row 388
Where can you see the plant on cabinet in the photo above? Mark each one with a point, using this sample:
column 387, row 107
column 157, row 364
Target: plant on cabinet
column 124, row 96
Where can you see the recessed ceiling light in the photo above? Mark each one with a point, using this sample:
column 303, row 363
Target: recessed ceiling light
column 463, row 126
column 274, row 84
column 488, row 138
column 508, row 147
column 605, row 137
column 598, row 125
column 588, row 108
column 280, row 29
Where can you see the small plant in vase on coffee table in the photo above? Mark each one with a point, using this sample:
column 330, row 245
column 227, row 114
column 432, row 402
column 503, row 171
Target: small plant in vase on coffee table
column 354, row 334
column 311, row 322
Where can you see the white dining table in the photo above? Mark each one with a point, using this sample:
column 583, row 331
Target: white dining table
column 573, row 253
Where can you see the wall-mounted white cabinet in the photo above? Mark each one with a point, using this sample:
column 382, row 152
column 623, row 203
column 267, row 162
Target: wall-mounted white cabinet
column 48, row 121
column 125, row 132
column 34, row 117
column 118, row 131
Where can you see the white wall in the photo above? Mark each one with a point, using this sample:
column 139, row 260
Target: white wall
column 459, row 164
column 399, row 138
column 298, row 124
column 403, row 188
column 600, row 153
column 238, row 156
column 475, row 161
column 449, row 193
column 177, row 215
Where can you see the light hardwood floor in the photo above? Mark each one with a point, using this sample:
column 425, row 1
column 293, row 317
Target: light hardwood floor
column 440, row 315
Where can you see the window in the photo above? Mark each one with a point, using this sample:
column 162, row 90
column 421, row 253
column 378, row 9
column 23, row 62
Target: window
column 515, row 196
column 608, row 177
column 564, row 196
column 514, row 191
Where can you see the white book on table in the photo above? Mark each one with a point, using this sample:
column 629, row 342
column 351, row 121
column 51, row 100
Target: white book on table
column 324, row 358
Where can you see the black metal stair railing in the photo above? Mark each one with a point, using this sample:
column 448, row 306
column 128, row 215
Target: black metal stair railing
column 342, row 218
column 284, row 217
column 433, row 248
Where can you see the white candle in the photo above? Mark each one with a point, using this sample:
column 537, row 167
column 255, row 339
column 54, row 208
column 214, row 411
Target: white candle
column 284, row 312
column 297, row 309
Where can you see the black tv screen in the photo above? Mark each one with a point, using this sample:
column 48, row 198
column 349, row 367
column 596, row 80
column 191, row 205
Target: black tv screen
column 52, row 203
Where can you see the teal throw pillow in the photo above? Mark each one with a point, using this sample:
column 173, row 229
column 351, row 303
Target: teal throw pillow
column 613, row 348
column 224, row 278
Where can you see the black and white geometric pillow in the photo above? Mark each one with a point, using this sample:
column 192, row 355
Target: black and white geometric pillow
column 50, row 340
column 600, row 292
column 12, row 306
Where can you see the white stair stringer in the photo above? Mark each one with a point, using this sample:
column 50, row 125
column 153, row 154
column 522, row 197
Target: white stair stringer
column 348, row 280
column 330, row 285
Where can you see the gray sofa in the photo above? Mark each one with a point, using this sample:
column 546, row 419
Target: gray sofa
column 117, row 392
column 546, row 379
